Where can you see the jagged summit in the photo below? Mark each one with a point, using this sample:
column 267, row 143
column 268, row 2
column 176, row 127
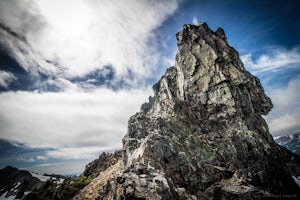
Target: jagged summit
column 202, row 135
column 205, row 62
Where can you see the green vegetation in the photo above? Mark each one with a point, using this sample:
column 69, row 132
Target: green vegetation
column 52, row 190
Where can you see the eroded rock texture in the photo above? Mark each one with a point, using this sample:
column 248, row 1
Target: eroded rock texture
column 202, row 135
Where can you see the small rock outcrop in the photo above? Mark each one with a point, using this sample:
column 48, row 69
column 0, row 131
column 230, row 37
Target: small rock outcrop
column 104, row 161
column 202, row 135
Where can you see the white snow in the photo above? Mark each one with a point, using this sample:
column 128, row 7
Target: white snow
column 25, row 193
column 2, row 197
column 14, row 189
column 59, row 181
column 45, row 178
column 39, row 176
column 297, row 180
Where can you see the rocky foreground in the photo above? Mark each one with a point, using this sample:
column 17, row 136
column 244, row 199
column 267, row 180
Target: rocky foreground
column 201, row 136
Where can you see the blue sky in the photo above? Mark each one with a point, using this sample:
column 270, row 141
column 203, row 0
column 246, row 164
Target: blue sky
column 72, row 72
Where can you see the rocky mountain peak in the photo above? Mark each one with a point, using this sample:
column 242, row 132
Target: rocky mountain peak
column 202, row 135
column 15, row 183
column 210, row 73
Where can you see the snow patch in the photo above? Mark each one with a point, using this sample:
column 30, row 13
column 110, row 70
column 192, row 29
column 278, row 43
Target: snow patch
column 3, row 197
column 39, row 176
column 297, row 180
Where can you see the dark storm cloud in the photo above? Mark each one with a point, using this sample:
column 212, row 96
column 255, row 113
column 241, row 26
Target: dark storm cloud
column 22, row 79
column 37, row 159
column 19, row 155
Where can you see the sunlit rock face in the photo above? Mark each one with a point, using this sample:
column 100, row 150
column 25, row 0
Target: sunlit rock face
column 202, row 135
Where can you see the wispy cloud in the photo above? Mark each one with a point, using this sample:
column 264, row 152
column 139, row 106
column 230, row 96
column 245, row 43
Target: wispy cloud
column 29, row 59
column 6, row 78
column 285, row 117
column 74, row 37
column 26, row 159
column 71, row 46
column 22, row 17
column 40, row 157
column 275, row 59
column 195, row 20
column 61, row 167
column 79, row 153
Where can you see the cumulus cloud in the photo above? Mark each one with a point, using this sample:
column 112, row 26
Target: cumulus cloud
column 285, row 117
column 277, row 58
column 74, row 37
column 6, row 78
column 92, row 122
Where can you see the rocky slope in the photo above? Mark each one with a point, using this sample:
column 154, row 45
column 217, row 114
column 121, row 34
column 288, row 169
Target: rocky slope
column 202, row 135
column 291, row 142
column 15, row 184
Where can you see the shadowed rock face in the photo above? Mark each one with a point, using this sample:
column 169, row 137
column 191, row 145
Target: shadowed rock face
column 202, row 135
column 15, row 183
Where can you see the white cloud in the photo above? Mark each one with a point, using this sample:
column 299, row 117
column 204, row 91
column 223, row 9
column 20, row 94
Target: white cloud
column 26, row 159
column 285, row 124
column 71, row 38
column 21, row 16
column 41, row 158
column 29, row 59
column 195, row 20
column 285, row 117
column 277, row 58
column 81, row 36
column 79, row 153
column 65, row 168
column 91, row 122
column 6, row 78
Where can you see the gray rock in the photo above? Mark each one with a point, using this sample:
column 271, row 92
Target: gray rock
column 104, row 161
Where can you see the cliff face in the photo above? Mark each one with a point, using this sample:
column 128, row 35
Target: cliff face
column 202, row 135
